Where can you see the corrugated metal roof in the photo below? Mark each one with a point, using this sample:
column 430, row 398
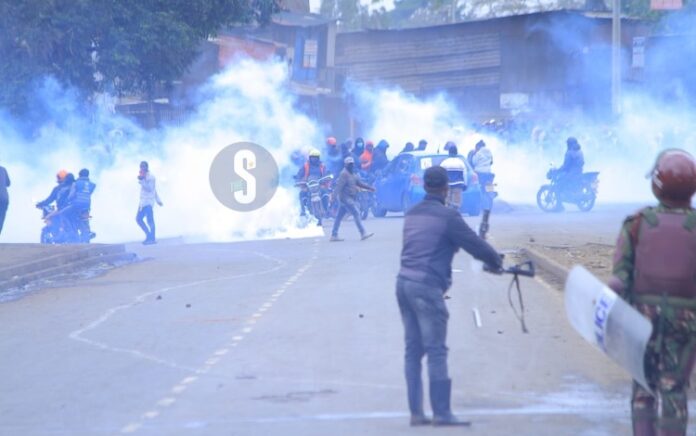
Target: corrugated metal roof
column 297, row 19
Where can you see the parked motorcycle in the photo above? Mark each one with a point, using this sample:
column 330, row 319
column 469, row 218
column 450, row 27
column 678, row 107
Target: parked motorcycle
column 581, row 191
column 317, row 196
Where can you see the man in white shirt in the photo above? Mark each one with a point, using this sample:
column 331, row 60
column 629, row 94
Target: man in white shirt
column 481, row 159
column 148, row 198
column 457, row 174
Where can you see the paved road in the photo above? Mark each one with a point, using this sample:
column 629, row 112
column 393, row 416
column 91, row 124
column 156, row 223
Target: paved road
column 291, row 337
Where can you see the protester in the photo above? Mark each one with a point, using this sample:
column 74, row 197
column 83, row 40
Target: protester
column 422, row 145
column 432, row 234
column 457, row 174
column 482, row 161
column 346, row 192
column 148, row 198
column 79, row 204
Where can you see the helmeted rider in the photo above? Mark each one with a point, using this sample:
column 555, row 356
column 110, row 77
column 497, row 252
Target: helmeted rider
column 53, row 196
column 313, row 169
column 570, row 173
column 481, row 159
column 654, row 265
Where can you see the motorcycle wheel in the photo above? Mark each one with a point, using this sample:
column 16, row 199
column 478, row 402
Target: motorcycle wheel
column 587, row 203
column 46, row 236
column 547, row 199
column 317, row 210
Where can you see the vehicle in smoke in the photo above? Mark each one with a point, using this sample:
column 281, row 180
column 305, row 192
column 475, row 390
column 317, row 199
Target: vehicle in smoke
column 58, row 229
column 581, row 191
column 319, row 195
column 401, row 184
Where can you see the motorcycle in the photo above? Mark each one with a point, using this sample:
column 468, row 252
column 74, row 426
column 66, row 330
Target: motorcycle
column 59, row 230
column 581, row 191
column 317, row 197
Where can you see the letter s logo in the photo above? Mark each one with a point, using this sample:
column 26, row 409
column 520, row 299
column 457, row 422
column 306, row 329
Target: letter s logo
column 245, row 160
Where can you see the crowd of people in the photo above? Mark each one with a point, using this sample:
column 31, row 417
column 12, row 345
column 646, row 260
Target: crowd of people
column 67, row 209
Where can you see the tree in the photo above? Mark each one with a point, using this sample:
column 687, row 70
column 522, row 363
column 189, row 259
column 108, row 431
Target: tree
column 119, row 45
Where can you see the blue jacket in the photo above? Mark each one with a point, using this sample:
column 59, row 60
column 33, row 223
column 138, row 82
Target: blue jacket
column 81, row 192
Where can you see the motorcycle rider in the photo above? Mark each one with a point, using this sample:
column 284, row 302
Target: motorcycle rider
column 570, row 173
column 60, row 178
column 346, row 192
column 79, row 204
column 457, row 173
column 653, row 270
column 408, row 148
column 313, row 169
column 482, row 161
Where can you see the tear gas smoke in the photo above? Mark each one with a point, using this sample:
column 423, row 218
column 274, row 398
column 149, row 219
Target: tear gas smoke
column 247, row 102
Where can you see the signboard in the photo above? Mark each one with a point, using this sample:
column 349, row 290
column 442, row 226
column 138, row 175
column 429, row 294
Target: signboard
column 638, row 52
column 665, row 5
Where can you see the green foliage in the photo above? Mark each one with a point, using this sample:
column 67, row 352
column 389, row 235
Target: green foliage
column 118, row 45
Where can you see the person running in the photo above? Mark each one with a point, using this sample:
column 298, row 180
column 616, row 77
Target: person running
column 346, row 191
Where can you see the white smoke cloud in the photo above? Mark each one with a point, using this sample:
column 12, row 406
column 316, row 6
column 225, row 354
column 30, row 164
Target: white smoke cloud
column 623, row 152
column 247, row 102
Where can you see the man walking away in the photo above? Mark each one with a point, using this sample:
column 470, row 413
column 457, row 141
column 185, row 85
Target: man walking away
column 346, row 191
column 482, row 161
column 4, row 196
column 148, row 198
column 456, row 172
column 433, row 233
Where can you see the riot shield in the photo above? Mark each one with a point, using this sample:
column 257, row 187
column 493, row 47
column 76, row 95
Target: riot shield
column 608, row 322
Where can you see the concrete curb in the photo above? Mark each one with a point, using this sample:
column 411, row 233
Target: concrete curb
column 549, row 266
column 63, row 263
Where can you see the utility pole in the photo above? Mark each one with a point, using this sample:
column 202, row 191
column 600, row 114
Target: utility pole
column 616, row 58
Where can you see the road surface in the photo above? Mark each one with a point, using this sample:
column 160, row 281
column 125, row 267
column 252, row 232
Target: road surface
column 297, row 337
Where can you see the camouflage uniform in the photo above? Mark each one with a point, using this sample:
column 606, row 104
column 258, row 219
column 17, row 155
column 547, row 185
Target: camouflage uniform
column 655, row 271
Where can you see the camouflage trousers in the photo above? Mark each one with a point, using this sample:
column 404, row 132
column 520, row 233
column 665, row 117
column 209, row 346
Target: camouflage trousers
column 669, row 359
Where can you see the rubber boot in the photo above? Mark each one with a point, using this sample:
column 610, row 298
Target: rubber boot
column 440, row 391
column 483, row 227
column 415, row 402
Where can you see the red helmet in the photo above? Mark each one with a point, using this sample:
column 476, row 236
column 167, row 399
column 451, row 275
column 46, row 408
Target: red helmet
column 331, row 140
column 369, row 145
column 60, row 175
column 674, row 178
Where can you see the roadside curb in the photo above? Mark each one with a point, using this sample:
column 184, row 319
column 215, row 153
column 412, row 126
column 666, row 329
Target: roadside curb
column 64, row 263
column 549, row 266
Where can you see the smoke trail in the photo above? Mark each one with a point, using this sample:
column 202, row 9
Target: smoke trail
column 247, row 102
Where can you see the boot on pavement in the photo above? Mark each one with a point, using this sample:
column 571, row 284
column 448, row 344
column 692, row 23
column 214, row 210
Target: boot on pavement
column 415, row 402
column 440, row 391
column 483, row 227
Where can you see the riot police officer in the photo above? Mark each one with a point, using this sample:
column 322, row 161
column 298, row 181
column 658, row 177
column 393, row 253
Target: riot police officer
column 654, row 270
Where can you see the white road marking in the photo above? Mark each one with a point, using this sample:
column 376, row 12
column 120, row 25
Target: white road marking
column 130, row 428
column 217, row 355
column 477, row 317
column 178, row 389
column 166, row 402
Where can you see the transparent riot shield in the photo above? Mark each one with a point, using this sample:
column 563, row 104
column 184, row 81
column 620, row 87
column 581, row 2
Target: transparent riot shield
column 608, row 322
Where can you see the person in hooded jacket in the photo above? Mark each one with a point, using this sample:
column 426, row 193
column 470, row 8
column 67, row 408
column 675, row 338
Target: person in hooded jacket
column 358, row 149
column 379, row 157
column 408, row 148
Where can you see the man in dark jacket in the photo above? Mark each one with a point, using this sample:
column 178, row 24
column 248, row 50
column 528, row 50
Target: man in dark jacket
column 433, row 233
column 80, row 203
column 570, row 173
column 4, row 197
column 346, row 192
